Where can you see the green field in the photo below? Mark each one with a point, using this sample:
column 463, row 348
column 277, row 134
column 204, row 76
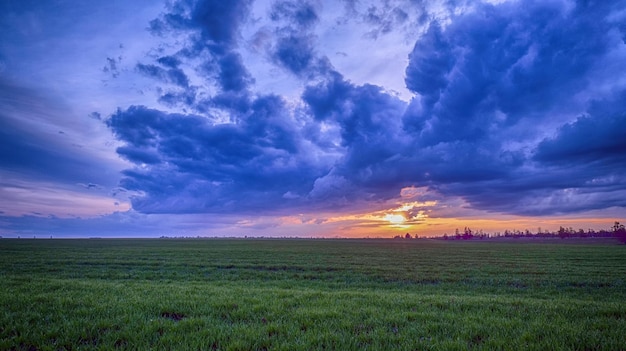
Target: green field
column 312, row 295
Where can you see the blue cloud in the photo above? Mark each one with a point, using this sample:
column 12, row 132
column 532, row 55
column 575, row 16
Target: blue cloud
column 430, row 63
column 211, row 29
column 174, row 76
column 484, row 83
column 138, row 155
column 489, row 79
column 203, row 167
column 217, row 21
column 169, row 61
column 503, row 59
column 595, row 140
column 326, row 98
column 295, row 40
column 299, row 13
column 295, row 52
column 372, row 137
column 237, row 102
column 233, row 75
column 178, row 97
column 111, row 67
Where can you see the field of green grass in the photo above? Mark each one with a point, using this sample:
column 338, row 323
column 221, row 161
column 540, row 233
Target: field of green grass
column 312, row 295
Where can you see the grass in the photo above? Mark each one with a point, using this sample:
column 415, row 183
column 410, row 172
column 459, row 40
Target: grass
column 311, row 294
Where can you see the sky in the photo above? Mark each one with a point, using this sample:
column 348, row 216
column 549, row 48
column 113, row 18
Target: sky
column 310, row 118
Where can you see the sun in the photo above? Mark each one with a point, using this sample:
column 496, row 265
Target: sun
column 394, row 218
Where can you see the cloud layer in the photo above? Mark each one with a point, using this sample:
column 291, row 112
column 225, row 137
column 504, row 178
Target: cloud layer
column 516, row 110
column 309, row 116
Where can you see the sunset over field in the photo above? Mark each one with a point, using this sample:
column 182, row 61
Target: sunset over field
column 282, row 118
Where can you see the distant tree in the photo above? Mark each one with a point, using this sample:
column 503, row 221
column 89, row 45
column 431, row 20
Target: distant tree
column 467, row 234
column 620, row 232
column 408, row 236
column 563, row 233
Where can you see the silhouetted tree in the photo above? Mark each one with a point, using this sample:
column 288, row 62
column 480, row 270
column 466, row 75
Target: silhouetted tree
column 616, row 231
column 620, row 232
column 467, row 234
column 563, row 233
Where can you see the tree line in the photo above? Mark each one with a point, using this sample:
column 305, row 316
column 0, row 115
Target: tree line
column 616, row 231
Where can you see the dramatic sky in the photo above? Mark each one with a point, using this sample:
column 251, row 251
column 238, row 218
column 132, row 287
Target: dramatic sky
column 310, row 117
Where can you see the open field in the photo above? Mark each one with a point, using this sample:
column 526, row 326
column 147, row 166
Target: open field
column 312, row 294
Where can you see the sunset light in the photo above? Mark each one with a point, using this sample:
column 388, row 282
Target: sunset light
column 283, row 118
column 395, row 218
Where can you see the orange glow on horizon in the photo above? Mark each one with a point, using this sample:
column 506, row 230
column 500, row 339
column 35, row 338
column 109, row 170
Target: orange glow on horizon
column 434, row 218
column 440, row 226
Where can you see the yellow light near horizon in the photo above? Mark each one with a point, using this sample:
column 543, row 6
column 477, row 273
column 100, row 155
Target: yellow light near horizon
column 394, row 218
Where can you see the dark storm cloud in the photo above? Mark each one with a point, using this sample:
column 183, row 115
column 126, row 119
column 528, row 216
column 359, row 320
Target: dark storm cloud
column 174, row 98
column 296, row 53
column 216, row 21
column 299, row 13
column 367, row 117
column 540, row 195
column 501, row 59
column 492, row 77
column 212, row 32
column 594, row 140
column 429, row 63
column 237, row 102
column 192, row 165
column 505, row 59
column 186, row 162
column 233, row 75
column 219, row 20
column 138, row 155
column 371, row 135
column 211, row 29
column 169, row 61
column 326, row 98
column 174, row 75
column 295, row 42
column 489, row 86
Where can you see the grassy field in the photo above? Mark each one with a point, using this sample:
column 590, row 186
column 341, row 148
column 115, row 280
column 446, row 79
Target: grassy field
column 312, row 295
